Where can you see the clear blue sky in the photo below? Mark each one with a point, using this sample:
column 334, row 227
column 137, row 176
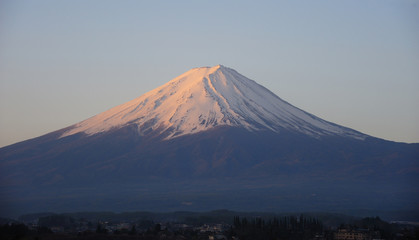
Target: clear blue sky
column 353, row 62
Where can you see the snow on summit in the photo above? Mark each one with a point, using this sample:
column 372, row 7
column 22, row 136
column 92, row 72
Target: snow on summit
column 203, row 98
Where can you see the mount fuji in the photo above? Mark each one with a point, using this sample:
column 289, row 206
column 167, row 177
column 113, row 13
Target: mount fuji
column 204, row 98
column 208, row 139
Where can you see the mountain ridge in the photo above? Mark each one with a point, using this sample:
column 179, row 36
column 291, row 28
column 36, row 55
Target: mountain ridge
column 205, row 97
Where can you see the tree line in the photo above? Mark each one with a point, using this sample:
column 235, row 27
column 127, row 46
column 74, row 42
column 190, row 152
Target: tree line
column 288, row 227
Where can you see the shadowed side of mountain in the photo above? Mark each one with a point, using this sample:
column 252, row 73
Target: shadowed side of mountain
column 225, row 167
column 221, row 152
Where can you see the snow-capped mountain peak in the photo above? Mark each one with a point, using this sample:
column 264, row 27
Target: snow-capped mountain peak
column 206, row 97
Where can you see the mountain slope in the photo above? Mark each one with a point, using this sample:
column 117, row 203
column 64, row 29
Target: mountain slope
column 203, row 98
column 210, row 138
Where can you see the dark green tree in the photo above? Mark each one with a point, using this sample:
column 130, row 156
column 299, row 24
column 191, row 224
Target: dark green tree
column 101, row 229
column 133, row 230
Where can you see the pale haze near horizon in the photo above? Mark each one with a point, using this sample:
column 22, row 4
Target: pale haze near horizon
column 354, row 63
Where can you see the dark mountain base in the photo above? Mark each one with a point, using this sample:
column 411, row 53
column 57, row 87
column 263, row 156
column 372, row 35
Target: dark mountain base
column 224, row 168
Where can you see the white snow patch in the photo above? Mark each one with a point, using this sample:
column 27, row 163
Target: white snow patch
column 205, row 97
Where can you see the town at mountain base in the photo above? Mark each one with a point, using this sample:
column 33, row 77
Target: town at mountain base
column 208, row 139
column 219, row 224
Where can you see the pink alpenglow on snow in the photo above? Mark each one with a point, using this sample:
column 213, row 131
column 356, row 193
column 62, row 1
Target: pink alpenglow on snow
column 206, row 97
